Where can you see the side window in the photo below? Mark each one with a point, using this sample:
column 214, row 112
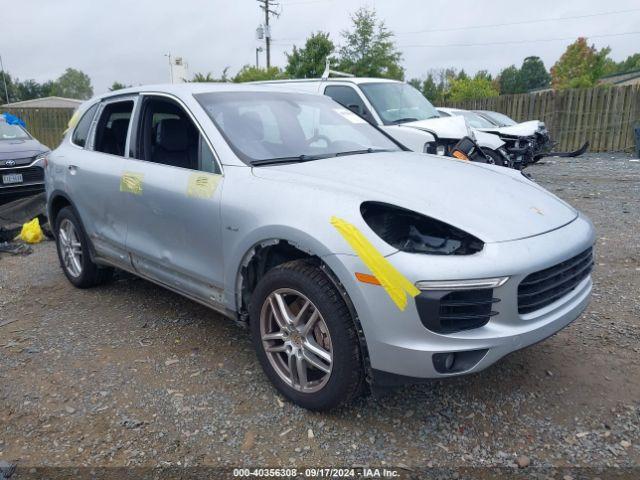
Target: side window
column 112, row 128
column 168, row 136
column 348, row 97
column 81, row 132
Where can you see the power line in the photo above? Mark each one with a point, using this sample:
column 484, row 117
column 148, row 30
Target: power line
column 514, row 42
column 524, row 22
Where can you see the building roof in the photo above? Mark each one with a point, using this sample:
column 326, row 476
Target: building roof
column 46, row 102
column 620, row 77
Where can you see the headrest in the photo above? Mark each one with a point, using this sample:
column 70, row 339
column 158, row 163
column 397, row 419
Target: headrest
column 172, row 135
column 119, row 128
column 252, row 126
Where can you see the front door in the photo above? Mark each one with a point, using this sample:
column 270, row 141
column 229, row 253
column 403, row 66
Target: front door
column 173, row 188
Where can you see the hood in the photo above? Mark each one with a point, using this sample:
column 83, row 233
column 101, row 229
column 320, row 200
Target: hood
column 493, row 203
column 489, row 140
column 442, row 127
column 15, row 149
column 525, row 129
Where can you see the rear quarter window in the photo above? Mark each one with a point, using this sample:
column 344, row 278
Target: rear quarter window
column 81, row 132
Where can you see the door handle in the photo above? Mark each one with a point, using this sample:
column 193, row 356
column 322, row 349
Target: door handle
column 72, row 169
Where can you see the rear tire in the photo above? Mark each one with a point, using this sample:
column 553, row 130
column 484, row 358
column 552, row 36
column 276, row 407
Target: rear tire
column 73, row 252
column 296, row 349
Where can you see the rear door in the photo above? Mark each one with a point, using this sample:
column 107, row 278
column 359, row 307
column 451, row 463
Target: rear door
column 93, row 175
column 173, row 187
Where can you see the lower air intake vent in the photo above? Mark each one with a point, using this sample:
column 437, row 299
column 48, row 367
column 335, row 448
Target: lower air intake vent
column 453, row 311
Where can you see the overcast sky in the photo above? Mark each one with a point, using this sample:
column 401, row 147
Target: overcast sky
column 125, row 40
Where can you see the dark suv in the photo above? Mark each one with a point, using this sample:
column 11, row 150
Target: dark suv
column 21, row 162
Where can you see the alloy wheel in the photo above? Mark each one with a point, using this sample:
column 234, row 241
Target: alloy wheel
column 70, row 248
column 296, row 340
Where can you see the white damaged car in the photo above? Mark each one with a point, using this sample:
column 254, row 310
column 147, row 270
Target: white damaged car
column 403, row 112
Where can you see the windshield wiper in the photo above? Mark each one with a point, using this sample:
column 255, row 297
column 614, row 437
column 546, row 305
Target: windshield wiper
column 293, row 159
column 360, row 152
column 404, row 120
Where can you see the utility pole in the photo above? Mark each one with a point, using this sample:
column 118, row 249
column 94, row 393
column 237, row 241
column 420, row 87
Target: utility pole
column 170, row 66
column 266, row 6
column 4, row 79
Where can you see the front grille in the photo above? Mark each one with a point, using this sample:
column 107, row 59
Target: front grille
column 457, row 310
column 543, row 288
column 18, row 162
column 29, row 175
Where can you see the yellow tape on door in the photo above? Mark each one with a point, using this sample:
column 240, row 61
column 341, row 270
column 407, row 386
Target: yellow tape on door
column 131, row 182
column 396, row 284
column 202, row 185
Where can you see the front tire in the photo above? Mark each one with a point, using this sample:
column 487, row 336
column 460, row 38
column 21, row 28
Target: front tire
column 305, row 338
column 73, row 252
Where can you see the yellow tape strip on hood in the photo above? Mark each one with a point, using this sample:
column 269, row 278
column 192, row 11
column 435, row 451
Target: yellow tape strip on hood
column 396, row 284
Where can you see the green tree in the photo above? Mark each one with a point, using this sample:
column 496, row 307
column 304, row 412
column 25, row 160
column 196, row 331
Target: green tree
column 428, row 87
column 73, row 84
column 630, row 64
column 117, row 86
column 533, row 74
column 471, row 89
column 580, row 66
column 369, row 49
column 208, row 77
column 202, row 78
column 431, row 90
column 310, row 60
column 250, row 73
column 509, row 81
column 12, row 93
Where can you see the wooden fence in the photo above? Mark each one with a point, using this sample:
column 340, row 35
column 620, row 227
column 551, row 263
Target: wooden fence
column 45, row 124
column 605, row 116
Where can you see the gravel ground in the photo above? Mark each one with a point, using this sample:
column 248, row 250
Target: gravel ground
column 130, row 374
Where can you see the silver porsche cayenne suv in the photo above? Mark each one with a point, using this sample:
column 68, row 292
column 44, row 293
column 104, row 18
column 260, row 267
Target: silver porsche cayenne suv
column 352, row 261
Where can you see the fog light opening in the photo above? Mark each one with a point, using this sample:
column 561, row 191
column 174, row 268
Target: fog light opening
column 449, row 360
column 457, row 362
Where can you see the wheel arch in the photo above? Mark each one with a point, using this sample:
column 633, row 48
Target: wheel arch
column 265, row 255
column 59, row 200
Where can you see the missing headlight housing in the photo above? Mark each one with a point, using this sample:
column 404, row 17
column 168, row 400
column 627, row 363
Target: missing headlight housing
column 412, row 232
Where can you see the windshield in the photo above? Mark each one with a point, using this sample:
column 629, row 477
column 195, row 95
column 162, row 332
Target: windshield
column 500, row 119
column 12, row 132
column 473, row 119
column 268, row 127
column 398, row 102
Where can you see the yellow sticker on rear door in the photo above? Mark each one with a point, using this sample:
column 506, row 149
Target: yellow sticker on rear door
column 131, row 182
column 202, row 185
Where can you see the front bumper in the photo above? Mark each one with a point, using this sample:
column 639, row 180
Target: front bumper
column 398, row 343
column 32, row 180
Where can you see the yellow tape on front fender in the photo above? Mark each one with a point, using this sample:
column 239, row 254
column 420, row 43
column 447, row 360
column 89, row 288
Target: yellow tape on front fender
column 396, row 284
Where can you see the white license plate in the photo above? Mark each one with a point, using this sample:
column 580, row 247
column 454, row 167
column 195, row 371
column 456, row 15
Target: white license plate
column 12, row 178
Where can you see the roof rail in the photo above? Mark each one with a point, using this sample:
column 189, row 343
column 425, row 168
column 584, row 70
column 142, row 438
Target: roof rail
column 327, row 71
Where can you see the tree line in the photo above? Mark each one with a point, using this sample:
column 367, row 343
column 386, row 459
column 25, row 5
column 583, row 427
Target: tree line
column 368, row 49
